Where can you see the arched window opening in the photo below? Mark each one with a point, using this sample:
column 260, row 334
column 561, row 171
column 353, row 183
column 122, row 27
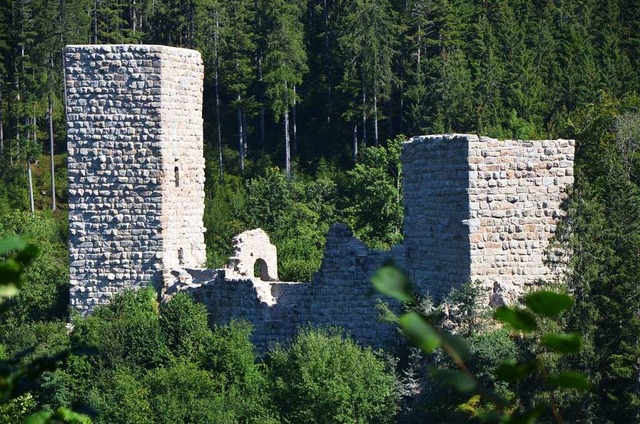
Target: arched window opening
column 176, row 173
column 181, row 256
column 260, row 270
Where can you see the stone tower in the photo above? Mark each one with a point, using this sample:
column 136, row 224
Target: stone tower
column 481, row 209
column 136, row 167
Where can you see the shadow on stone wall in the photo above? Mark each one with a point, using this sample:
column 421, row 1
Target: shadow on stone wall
column 340, row 294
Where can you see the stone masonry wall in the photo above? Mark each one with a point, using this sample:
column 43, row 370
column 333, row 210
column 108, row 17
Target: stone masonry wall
column 182, row 159
column 132, row 112
column 515, row 192
column 475, row 208
column 436, row 207
column 480, row 209
column 339, row 295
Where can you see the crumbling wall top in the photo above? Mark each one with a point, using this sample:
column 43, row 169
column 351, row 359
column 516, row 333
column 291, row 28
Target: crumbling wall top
column 254, row 256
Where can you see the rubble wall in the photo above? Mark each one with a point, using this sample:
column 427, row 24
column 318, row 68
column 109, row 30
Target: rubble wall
column 132, row 112
column 436, row 208
column 516, row 189
column 475, row 208
column 340, row 295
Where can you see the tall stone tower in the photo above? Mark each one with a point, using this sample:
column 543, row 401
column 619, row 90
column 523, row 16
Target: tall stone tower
column 136, row 167
column 480, row 209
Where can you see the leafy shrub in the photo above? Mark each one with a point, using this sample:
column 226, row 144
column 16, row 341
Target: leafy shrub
column 120, row 397
column 374, row 204
column 45, row 292
column 326, row 378
column 185, row 328
column 126, row 332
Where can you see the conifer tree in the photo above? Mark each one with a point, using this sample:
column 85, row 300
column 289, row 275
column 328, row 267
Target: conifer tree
column 603, row 235
column 285, row 62
column 209, row 19
column 421, row 26
column 238, row 65
column 369, row 40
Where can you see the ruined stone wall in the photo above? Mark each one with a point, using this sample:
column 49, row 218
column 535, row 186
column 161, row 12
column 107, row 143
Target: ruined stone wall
column 132, row 111
column 436, row 206
column 475, row 208
column 182, row 159
column 515, row 192
column 253, row 249
column 339, row 295
column 480, row 209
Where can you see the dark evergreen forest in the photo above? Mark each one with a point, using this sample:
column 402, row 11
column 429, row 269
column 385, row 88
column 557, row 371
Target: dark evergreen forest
column 306, row 104
column 345, row 74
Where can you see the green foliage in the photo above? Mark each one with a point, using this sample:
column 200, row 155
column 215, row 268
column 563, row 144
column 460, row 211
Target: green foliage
column 286, row 57
column 391, row 281
column 60, row 415
column 151, row 363
column 602, row 232
column 120, row 396
column 508, row 406
column 231, row 355
column 326, row 378
column 19, row 372
column 44, row 291
column 224, row 218
column 374, row 209
column 508, row 69
column 17, row 409
column 185, row 328
column 184, row 393
column 127, row 333
column 519, row 319
column 296, row 213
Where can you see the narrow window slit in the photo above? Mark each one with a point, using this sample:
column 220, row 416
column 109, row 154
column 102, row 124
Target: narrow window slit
column 181, row 256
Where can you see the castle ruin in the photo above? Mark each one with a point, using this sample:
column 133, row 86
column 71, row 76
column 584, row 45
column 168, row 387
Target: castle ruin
column 475, row 208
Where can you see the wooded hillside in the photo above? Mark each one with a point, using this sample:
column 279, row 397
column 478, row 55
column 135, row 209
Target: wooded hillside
column 340, row 74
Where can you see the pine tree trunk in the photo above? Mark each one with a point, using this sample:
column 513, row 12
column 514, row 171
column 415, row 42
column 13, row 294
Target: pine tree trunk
column 262, row 125
column 287, row 147
column 262, row 130
column 355, row 143
column 95, row 21
column 53, row 166
column 401, row 126
column 10, row 151
column 390, row 120
column 1, row 128
column 327, row 54
column 240, row 135
column 295, row 122
column 217, row 89
column 375, row 117
column 192, row 20
column 364, row 117
column 17, row 118
column 245, row 131
column 419, row 49
column 34, row 126
column 134, row 26
column 30, row 181
column 18, row 134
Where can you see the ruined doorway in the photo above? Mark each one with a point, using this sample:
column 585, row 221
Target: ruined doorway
column 261, row 270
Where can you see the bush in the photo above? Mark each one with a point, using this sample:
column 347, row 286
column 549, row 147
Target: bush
column 183, row 393
column 127, row 332
column 185, row 328
column 161, row 363
column 119, row 397
column 45, row 292
column 326, row 378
